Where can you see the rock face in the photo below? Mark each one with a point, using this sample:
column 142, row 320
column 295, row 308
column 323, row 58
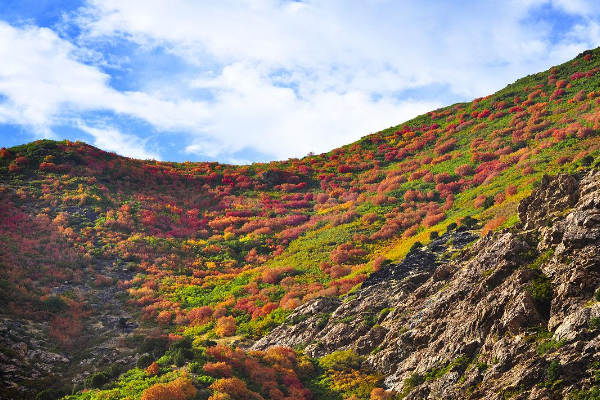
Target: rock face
column 491, row 320
column 31, row 361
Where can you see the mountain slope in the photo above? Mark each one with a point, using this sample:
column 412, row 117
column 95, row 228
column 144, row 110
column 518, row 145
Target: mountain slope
column 514, row 315
column 106, row 259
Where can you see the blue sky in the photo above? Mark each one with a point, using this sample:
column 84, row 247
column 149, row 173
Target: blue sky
column 242, row 81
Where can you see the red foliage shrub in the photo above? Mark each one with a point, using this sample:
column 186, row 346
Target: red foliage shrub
column 218, row 369
column 432, row 219
column 200, row 315
column 337, row 271
column 164, row 317
column 444, row 177
column 378, row 262
column 344, row 169
column 370, row 218
column 322, row 198
column 557, row 93
column 511, row 190
column 410, row 232
column 527, row 170
column 563, row 160
column 499, row 198
column 480, row 200
column 444, row 147
column 5, row 153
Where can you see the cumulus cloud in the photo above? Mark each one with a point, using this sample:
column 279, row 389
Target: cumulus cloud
column 280, row 78
column 111, row 139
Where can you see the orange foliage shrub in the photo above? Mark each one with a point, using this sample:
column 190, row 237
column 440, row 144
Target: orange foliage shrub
column 179, row 389
column 218, row 369
column 164, row 317
column 381, row 394
column 152, row 369
column 233, row 387
column 225, row 326
column 493, row 224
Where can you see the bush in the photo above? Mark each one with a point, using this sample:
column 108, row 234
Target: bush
column 341, row 360
column 433, row 235
column 50, row 394
column 597, row 295
column 179, row 389
column 553, row 371
column 97, row 380
column 488, row 202
column 144, row 361
column 155, row 345
column 414, row 380
column 452, row 226
column 469, row 222
column 416, row 246
column 55, row 304
column 541, row 292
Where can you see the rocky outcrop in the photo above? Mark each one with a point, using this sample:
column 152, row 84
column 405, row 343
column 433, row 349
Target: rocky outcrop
column 324, row 325
column 494, row 320
column 554, row 195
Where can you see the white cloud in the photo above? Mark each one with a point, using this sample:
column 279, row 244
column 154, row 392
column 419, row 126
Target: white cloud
column 45, row 84
column 284, row 78
column 251, row 112
column 111, row 139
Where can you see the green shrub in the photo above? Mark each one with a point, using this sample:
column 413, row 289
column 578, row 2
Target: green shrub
column 548, row 346
column 594, row 323
column 434, row 235
column 452, row 226
column 414, row 380
column 144, row 361
column 597, row 295
column 341, row 360
column 49, row 394
column 416, row 246
column 323, row 320
column 55, row 304
column 154, row 345
column 489, row 201
column 553, row 372
column 541, row 292
column 469, row 222
column 97, row 380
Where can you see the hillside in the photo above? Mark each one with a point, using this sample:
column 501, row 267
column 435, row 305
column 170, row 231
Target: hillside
column 128, row 278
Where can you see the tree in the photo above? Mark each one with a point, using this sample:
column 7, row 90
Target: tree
column 225, row 326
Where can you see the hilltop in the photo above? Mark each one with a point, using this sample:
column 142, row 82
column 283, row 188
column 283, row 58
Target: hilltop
column 131, row 278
